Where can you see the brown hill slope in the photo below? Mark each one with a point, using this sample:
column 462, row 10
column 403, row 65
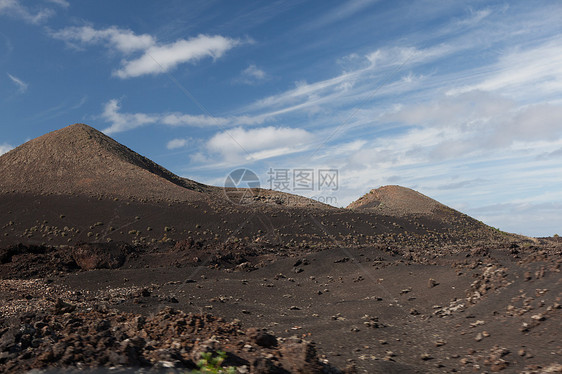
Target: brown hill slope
column 80, row 160
column 398, row 201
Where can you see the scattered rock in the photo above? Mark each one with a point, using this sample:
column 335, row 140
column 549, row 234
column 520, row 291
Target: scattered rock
column 168, row 339
column 299, row 356
column 62, row 307
column 262, row 338
column 91, row 256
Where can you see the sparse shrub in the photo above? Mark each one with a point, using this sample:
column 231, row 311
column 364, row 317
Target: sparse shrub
column 209, row 364
column 134, row 232
column 167, row 229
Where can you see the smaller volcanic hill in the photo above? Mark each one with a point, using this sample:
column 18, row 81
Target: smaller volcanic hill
column 80, row 160
column 398, row 201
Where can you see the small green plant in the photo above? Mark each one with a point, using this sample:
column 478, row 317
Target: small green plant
column 210, row 364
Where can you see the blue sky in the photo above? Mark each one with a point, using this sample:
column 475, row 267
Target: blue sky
column 461, row 101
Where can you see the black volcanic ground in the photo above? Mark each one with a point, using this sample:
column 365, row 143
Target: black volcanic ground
column 109, row 260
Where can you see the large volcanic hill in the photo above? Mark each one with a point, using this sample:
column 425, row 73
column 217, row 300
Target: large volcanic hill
column 79, row 160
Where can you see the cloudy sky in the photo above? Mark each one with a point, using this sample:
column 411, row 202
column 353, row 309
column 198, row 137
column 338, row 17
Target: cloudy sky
column 461, row 101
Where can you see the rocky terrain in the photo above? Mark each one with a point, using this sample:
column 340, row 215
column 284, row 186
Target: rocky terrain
column 109, row 261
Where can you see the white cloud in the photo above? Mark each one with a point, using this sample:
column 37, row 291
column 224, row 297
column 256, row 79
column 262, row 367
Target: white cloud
column 340, row 13
column 377, row 74
column 253, row 72
column 528, row 73
column 398, row 56
column 180, row 119
column 5, row 148
column 160, row 59
column 125, row 41
column 304, row 94
column 176, row 143
column 256, row 144
column 128, row 121
column 475, row 17
column 535, row 122
column 15, row 9
column 62, row 3
column 251, row 75
column 155, row 57
column 22, row 86
column 462, row 111
column 124, row 121
column 481, row 121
